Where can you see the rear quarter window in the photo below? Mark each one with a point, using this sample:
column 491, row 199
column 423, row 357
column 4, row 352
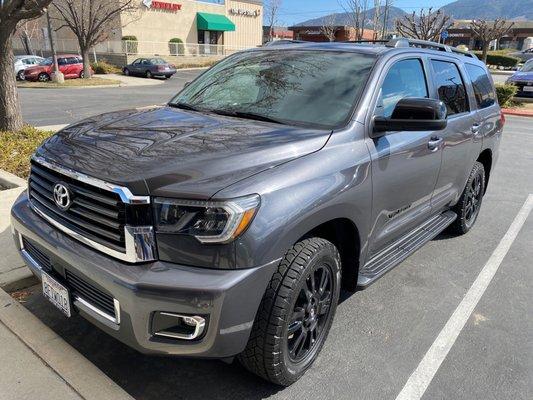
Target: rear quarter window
column 483, row 89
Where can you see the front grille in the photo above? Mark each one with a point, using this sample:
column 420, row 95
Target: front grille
column 91, row 294
column 38, row 255
column 95, row 213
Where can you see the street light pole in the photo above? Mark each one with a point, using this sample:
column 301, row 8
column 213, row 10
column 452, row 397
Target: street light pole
column 57, row 76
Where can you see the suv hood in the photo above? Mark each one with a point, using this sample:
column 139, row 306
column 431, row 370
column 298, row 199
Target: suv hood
column 165, row 151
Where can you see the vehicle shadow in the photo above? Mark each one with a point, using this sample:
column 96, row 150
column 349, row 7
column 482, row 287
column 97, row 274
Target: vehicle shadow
column 150, row 377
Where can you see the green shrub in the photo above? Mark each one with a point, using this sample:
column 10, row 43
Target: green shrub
column 498, row 59
column 176, row 47
column 505, row 94
column 129, row 44
column 103, row 67
column 16, row 148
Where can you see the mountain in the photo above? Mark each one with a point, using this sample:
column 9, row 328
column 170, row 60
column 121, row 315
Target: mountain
column 345, row 18
column 490, row 9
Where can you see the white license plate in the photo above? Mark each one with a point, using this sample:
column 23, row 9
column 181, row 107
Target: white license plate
column 528, row 88
column 56, row 293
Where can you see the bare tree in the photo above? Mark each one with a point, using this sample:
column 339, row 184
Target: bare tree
column 12, row 12
column 427, row 25
column 386, row 11
column 329, row 27
column 26, row 31
column 91, row 21
column 271, row 12
column 376, row 19
column 356, row 10
column 486, row 32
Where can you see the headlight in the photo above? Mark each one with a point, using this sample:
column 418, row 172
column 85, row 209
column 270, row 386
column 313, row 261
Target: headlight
column 207, row 221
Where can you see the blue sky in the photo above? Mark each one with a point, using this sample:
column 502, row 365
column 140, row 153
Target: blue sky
column 294, row 11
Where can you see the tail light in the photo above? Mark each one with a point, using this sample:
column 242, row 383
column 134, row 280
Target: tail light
column 502, row 119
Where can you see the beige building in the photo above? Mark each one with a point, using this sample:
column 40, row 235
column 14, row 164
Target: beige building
column 214, row 28
column 232, row 23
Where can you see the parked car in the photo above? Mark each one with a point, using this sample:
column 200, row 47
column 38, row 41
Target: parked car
column 24, row 62
column 523, row 55
column 71, row 65
column 226, row 222
column 523, row 80
column 150, row 67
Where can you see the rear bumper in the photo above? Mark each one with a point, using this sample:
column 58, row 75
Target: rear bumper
column 228, row 299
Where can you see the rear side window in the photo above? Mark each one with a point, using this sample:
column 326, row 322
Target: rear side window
column 73, row 60
column 405, row 79
column 450, row 86
column 485, row 96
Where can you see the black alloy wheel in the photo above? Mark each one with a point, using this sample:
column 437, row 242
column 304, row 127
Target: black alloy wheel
column 309, row 314
column 469, row 204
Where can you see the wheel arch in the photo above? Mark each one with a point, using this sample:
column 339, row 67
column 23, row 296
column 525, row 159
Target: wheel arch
column 343, row 233
column 485, row 158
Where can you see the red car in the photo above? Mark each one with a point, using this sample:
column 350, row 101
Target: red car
column 71, row 65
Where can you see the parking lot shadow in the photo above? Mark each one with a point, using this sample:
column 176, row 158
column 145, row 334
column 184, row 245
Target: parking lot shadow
column 150, row 377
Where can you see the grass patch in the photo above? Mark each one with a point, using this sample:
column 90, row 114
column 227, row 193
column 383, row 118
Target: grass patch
column 196, row 64
column 16, row 148
column 94, row 81
column 102, row 67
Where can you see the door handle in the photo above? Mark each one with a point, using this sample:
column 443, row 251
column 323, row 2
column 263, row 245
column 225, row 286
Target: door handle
column 434, row 143
column 475, row 128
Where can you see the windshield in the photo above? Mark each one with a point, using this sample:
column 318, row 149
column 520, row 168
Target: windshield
column 528, row 67
column 157, row 61
column 299, row 87
column 46, row 61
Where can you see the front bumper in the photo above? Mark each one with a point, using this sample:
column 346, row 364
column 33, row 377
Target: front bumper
column 228, row 298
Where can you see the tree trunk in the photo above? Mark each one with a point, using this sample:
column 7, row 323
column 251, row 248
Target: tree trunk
column 86, row 64
column 10, row 115
column 484, row 49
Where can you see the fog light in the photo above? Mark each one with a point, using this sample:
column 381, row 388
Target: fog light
column 178, row 326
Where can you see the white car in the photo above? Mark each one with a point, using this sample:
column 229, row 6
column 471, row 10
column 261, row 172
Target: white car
column 23, row 62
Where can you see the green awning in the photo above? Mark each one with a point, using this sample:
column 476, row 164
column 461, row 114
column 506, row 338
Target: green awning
column 213, row 22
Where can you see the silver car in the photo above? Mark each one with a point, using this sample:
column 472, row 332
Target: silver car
column 523, row 55
column 23, row 62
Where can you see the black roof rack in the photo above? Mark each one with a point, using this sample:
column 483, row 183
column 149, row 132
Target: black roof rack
column 426, row 44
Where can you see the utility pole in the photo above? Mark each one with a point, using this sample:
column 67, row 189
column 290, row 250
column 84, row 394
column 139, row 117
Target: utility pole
column 57, row 76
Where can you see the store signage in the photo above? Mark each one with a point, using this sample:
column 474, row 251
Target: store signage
column 245, row 13
column 162, row 5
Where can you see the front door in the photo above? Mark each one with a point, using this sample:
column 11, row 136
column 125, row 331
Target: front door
column 405, row 165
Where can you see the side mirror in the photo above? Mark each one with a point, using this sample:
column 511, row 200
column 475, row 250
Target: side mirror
column 413, row 114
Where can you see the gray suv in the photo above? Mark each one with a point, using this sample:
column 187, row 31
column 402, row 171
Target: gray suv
column 226, row 222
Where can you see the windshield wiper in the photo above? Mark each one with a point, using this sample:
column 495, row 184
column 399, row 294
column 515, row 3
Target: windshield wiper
column 247, row 115
column 185, row 106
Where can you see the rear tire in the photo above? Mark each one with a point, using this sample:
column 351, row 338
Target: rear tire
column 43, row 77
column 467, row 209
column 296, row 313
column 126, row 72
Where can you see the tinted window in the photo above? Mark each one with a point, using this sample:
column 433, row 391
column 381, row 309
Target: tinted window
column 47, row 61
column 145, row 62
column 62, row 61
column 299, row 87
column 485, row 96
column 157, row 61
column 73, row 60
column 450, row 86
column 137, row 61
column 405, row 79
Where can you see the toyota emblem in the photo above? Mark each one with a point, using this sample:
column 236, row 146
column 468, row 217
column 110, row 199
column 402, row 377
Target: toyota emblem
column 62, row 196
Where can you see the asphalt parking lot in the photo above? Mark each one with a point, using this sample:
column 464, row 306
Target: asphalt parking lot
column 381, row 335
column 43, row 107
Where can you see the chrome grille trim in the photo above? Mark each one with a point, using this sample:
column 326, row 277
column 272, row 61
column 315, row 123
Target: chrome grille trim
column 139, row 241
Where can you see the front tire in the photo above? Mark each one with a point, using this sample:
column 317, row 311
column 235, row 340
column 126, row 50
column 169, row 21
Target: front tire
column 296, row 313
column 20, row 75
column 148, row 75
column 467, row 209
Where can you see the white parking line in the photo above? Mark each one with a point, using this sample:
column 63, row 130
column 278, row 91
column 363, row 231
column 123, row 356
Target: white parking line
column 422, row 376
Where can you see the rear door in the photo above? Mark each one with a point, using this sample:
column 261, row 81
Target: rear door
column 461, row 138
column 135, row 66
column 405, row 165
column 63, row 66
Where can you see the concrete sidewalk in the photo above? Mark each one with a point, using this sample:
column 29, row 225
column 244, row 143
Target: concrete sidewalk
column 39, row 364
column 13, row 272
